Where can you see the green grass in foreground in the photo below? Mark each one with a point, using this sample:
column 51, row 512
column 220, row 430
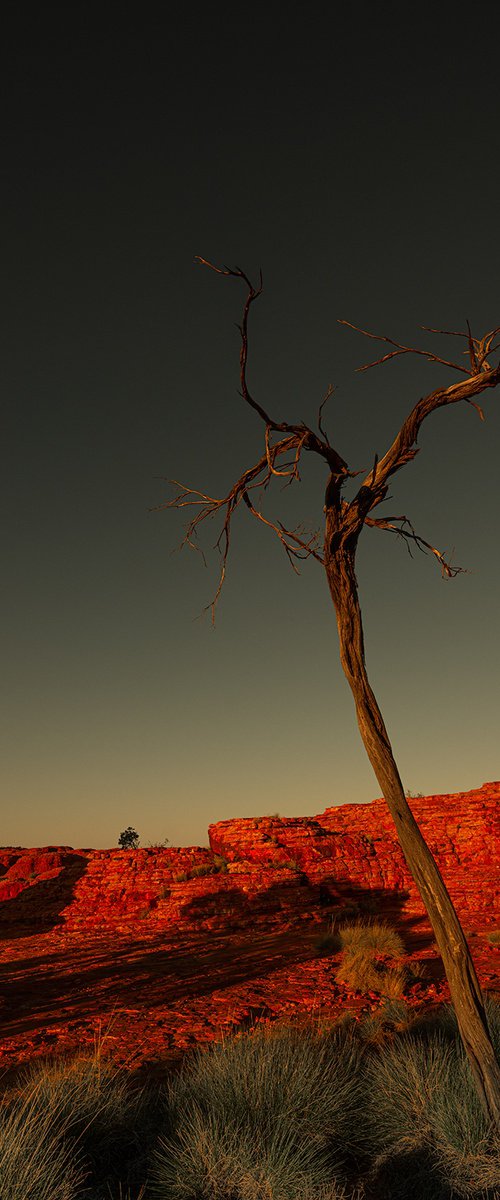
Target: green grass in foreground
column 384, row 1109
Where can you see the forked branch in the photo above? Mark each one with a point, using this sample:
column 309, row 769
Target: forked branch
column 282, row 458
column 310, row 440
column 400, row 349
column 480, row 376
column 403, row 527
column 258, row 478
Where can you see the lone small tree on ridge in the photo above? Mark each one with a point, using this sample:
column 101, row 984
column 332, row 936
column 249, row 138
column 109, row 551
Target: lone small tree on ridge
column 129, row 839
column 344, row 521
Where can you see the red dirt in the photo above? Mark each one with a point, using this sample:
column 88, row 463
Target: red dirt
column 106, row 944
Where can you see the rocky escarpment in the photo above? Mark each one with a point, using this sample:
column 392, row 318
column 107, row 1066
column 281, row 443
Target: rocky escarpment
column 262, row 868
column 357, row 844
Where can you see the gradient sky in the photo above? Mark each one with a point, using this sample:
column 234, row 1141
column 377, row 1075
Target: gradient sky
column 359, row 169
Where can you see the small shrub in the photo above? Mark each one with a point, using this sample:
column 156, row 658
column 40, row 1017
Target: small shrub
column 200, row 869
column 220, row 864
column 494, row 937
column 180, row 876
column 164, row 892
column 129, row 839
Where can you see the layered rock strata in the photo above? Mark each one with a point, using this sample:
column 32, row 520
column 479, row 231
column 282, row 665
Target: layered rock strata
column 263, row 867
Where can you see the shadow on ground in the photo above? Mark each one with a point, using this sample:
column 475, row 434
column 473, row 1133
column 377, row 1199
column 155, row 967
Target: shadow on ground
column 96, row 975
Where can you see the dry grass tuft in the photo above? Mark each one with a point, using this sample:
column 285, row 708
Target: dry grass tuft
column 392, row 982
column 365, row 945
column 371, row 936
column 358, row 972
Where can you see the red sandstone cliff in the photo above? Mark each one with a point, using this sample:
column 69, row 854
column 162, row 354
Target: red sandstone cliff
column 260, row 867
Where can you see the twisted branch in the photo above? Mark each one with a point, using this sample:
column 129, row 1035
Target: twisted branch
column 311, row 440
column 403, row 449
column 350, row 516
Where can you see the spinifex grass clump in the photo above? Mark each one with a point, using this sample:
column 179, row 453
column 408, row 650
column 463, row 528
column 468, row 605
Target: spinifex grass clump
column 201, row 869
column 358, row 972
column 36, row 1162
column 319, row 1112
column 393, row 1016
column 70, row 1120
column 367, row 936
column 366, row 947
column 94, row 1102
column 424, row 1123
column 270, row 1114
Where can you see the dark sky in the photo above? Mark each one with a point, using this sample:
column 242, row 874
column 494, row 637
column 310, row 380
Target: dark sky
column 357, row 164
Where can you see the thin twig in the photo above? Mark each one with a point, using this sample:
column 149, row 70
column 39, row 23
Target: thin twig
column 403, row 527
column 329, row 392
column 400, row 349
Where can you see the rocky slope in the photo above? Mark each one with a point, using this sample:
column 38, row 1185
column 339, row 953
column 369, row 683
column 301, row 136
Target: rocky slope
column 259, row 868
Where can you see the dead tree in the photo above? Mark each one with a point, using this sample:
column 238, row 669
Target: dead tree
column 284, row 445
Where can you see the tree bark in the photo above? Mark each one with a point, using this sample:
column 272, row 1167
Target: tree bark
column 460, row 972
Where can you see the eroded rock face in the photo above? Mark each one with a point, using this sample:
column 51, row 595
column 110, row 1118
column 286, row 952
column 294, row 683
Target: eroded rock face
column 259, row 868
column 358, row 843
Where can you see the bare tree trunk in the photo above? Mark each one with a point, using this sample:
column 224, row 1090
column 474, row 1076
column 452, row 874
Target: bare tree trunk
column 344, row 522
column 460, row 972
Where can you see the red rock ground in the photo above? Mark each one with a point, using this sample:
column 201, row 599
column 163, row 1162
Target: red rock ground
column 115, row 945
